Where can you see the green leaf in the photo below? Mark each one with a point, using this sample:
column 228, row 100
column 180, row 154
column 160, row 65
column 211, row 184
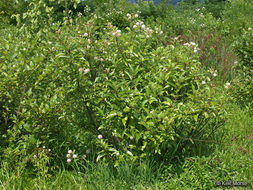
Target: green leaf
column 27, row 127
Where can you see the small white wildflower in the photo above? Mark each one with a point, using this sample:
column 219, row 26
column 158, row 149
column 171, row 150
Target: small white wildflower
column 87, row 151
column 89, row 41
column 79, row 32
column 228, row 84
column 49, row 150
column 80, row 70
column 34, row 156
column 88, row 47
column 86, row 70
column 195, row 50
column 148, row 36
column 50, row 42
column 118, row 33
column 161, row 32
column 136, row 15
column 69, row 160
column 43, row 147
column 197, row 9
column 137, row 23
column 117, row 153
column 24, row 49
column 68, row 155
column 100, row 136
column 70, row 151
column 203, row 82
column 84, row 156
column 215, row 74
column 134, row 26
column 193, row 43
column 143, row 26
column 75, row 156
column 131, row 137
column 101, row 59
column 85, row 34
column 128, row 15
column 249, row 29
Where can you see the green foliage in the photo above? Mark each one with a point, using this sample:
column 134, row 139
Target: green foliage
column 117, row 82
column 238, row 14
column 216, row 7
column 8, row 8
column 243, row 91
column 84, row 84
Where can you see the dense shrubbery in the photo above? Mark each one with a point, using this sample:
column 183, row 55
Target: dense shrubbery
column 115, row 84
column 243, row 91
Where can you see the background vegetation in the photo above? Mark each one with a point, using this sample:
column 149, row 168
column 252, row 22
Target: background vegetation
column 113, row 95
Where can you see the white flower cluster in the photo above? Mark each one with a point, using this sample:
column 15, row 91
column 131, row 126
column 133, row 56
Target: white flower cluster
column 74, row 156
column 129, row 16
column 84, row 70
column 117, row 33
column 227, row 84
column 100, row 136
column 98, row 58
column 192, row 44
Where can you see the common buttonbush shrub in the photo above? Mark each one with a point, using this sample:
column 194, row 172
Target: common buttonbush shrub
column 123, row 95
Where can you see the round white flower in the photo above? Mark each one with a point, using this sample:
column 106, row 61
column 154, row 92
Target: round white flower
column 75, row 156
column 84, row 156
column 70, row 151
column 134, row 26
column 118, row 33
column 87, row 151
column 148, row 36
column 88, row 47
column 161, row 32
column 43, row 147
column 128, row 15
column 100, row 136
column 34, row 156
column 203, row 82
column 215, row 74
column 69, row 160
column 85, row 34
column 143, row 26
column 86, row 70
column 136, row 15
column 249, row 29
column 117, row 153
column 50, row 42
column 68, row 155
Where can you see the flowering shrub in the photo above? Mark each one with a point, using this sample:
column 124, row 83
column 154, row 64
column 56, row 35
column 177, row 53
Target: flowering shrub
column 84, row 85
